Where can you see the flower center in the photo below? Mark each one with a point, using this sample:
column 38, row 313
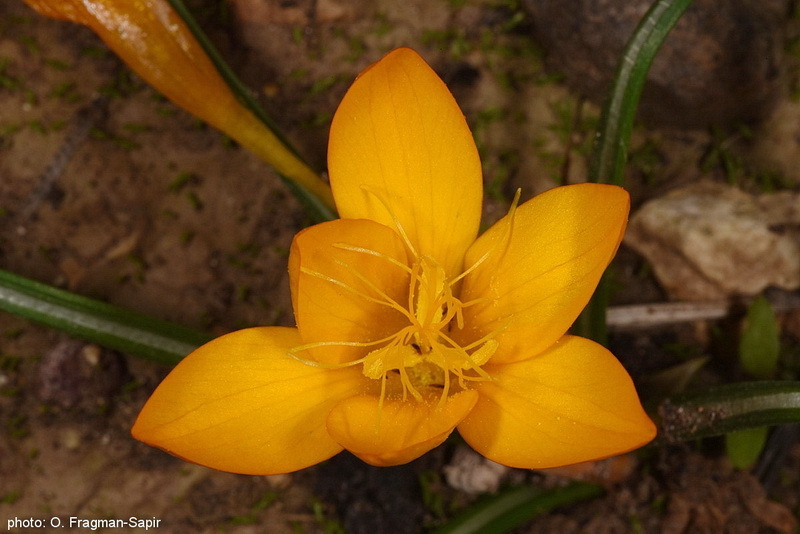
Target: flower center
column 422, row 355
column 421, row 358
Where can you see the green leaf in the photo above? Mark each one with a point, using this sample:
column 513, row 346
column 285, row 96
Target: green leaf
column 616, row 123
column 98, row 322
column 760, row 344
column 745, row 446
column 729, row 408
column 511, row 507
column 610, row 152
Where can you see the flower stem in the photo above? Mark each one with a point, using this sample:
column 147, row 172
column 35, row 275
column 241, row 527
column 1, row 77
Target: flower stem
column 315, row 194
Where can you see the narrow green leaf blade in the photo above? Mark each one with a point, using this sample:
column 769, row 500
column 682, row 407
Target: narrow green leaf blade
column 510, row 508
column 729, row 408
column 96, row 321
column 610, row 152
column 616, row 123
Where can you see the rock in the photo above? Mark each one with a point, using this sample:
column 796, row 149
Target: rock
column 471, row 473
column 711, row 241
column 720, row 64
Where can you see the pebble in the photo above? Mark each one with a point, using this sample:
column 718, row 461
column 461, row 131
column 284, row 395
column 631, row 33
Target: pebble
column 471, row 473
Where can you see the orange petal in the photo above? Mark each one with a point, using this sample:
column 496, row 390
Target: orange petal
column 541, row 269
column 239, row 403
column 400, row 431
column 570, row 404
column 344, row 295
column 399, row 146
column 155, row 42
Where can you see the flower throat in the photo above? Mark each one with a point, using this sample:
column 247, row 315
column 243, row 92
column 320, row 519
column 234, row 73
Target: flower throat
column 421, row 359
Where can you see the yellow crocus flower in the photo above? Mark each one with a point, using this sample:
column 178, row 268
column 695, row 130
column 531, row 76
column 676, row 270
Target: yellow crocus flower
column 409, row 324
column 155, row 42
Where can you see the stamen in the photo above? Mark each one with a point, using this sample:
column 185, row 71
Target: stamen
column 317, row 274
column 471, row 268
column 313, row 363
column 387, row 299
column 452, row 308
column 386, row 302
column 468, row 360
column 505, row 239
column 509, row 230
column 381, row 255
column 473, row 302
column 420, row 356
column 491, row 335
column 412, row 286
column 392, row 340
column 408, row 386
column 308, row 346
column 395, row 220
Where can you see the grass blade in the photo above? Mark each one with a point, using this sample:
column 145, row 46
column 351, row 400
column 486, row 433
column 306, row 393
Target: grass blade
column 610, row 152
column 729, row 408
column 510, row 508
column 616, row 122
column 111, row 326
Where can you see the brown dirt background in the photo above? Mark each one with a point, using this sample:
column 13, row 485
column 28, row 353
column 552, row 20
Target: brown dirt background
column 156, row 212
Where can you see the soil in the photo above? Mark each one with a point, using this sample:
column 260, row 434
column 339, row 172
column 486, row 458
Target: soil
column 108, row 190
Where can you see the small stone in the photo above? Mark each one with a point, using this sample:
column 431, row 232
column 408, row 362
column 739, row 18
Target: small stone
column 279, row 482
column 91, row 354
column 70, row 439
column 471, row 473
column 711, row 241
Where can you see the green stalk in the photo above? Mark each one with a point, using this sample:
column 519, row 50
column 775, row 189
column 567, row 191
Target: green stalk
column 729, row 408
column 317, row 209
column 616, row 124
column 511, row 507
column 98, row 322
